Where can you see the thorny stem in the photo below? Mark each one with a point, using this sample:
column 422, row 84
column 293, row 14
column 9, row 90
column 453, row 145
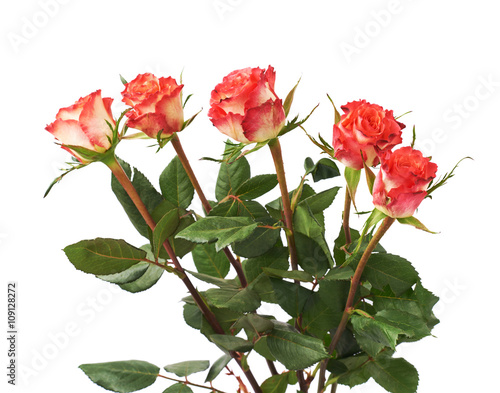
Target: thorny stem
column 206, row 205
column 127, row 185
column 386, row 224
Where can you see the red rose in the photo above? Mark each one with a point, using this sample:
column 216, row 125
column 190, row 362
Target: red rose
column 245, row 107
column 156, row 104
column 84, row 124
column 365, row 128
column 402, row 182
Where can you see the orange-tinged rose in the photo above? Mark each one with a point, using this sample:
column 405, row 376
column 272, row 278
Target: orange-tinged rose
column 363, row 133
column 245, row 107
column 156, row 104
column 401, row 184
column 85, row 124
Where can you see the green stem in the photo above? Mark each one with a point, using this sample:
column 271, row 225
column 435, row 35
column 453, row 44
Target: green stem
column 206, row 205
column 345, row 220
column 127, row 185
column 386, row 224
column 275, row 147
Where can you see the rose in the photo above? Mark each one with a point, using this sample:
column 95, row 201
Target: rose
column 156, row 104
column 401, row 184
column 245, row 107
column 366, row 129
column 85, row 124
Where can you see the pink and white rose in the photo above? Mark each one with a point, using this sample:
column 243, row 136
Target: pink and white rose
column 401, row 184
column 245, row 107
column 156, row 104
column 85, row 124
column 363, row 133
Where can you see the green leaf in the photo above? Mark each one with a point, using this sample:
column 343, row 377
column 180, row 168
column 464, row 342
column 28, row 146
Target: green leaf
column 146, row 191
column 340, row 273
column 306, row 223
column 319, row 202
column 210, row 262
column 183, row 369
column 415, row 223
column 310, row 255
column 387, row 269
column 276, row 258
column 260, row 241
column 164, row 228
column 225, row 230
column 289, row 99
column 139, row 277
column 375, row 330
column 293, row 274
column 352, row 177
column 411, row 325
column 231, row 176
column 256, row 187
column 242, row 300
column 217, row 367
column 146, row 281
column 338, row 118
column 231, row 343
column 178, row 388
column 126, row 276
column 123, row 376
column 318, row 318
column 175, row 184
column 370, row 177
column 275, row 384
column 417, row 302
column 260, row 346
column 253, row 324
column 323, row 169
column 220, row 282
column 294, row 350
column 395, row 375
column 357, row 373
column 290, row 297
column 103, row 256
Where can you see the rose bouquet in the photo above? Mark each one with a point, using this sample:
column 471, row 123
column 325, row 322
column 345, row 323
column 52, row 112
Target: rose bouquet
column 350, row 302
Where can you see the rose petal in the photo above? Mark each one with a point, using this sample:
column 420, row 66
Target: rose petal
column 264, row 122
column 150, row 124
column 229, row 124
column 93, row 120
column 69, row 132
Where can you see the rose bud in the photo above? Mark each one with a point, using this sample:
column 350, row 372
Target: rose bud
column 85, row 124
column 245, row 107
column 156, row 104
column 401, row 184
column 365, row 129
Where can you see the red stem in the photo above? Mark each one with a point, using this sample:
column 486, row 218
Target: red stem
column 206, row 205
column 123, row 179
column 386, row 224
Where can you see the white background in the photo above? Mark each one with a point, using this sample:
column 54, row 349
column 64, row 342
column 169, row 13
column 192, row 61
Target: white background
column 439, row 60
